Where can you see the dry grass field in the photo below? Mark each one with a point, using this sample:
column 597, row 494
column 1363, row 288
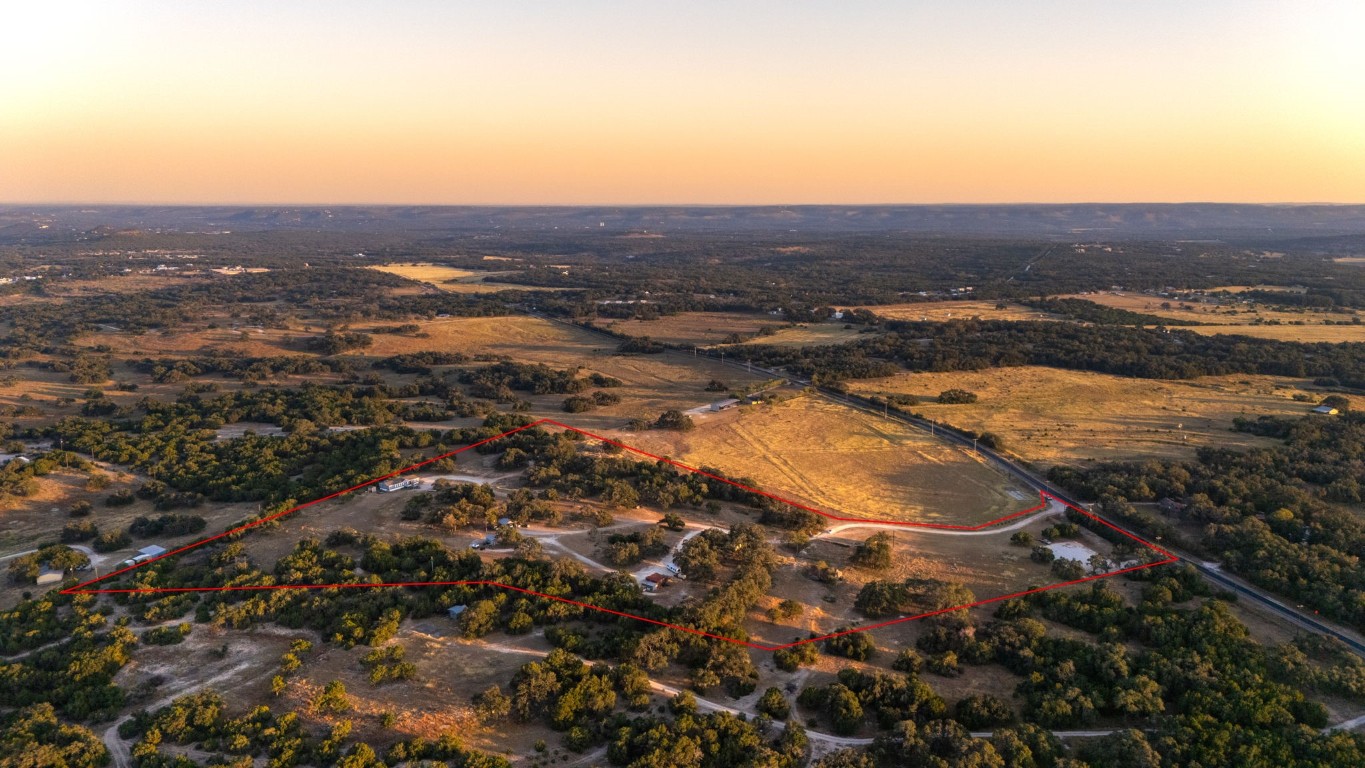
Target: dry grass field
column 1055, row 416
column 959, row 310
column 451, row 279
column 130, row 282
column 714, row 328
column 699, row 328
column 1331, row 334
column 808, row 334
column 844, row 462
column 1239, row 318
column 244, row 341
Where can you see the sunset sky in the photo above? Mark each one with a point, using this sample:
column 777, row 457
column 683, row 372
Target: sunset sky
column 596, row 101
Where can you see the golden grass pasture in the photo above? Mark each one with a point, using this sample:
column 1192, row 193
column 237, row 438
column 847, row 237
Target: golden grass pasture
column 1331, row 334
column 245, row 342
column 451, row 279
column 1055, row 416
column 807, row 334
column 843, row 462
column 131, row 282
column 959, row 310
column 700, row 328
column 1244, row 319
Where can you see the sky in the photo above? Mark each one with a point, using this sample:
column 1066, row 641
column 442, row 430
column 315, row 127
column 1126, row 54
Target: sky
column 662, row 102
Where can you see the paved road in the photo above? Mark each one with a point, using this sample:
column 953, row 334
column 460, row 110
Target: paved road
column 1296, row 616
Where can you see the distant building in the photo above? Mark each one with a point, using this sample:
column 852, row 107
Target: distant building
column 454, row 611
column 143, row 555
column 1326, row 410
column 504, row 521
column 1171, row 506
column 654, row 582
column 49, row 576
column 721, row 405
column 398, row 484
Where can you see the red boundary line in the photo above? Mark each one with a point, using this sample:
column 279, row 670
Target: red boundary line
column 82, row 588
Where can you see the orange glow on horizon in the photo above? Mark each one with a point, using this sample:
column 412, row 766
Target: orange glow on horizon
column 446, row 104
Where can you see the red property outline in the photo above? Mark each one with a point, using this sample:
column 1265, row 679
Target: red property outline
column 1044, row 496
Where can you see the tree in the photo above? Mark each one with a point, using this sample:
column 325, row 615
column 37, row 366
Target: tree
column 774, row 704
column 845, row 710
column 333, row 698
column 790, row 659
column 982, row 711
column 673, row 522
column 479, row 619
column 854, row 645
column 881, row 598
column 698, row 559
column 33, row 737
column 674, row 419
column 1338, row 402
column 956, row 397
column 874, row 553
column 492, row 704
column 1122, row 749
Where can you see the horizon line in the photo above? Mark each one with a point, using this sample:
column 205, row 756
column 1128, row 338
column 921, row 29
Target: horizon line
column 946, row 204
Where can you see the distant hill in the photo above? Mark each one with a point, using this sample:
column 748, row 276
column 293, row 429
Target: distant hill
column 1102, row 221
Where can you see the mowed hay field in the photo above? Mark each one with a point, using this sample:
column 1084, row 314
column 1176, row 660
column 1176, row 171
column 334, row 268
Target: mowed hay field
column 451, row 279
column 808, row 334
column 1055, row 416
column 700, row 328
column 843, row 462
column 959, row 310
column 1245, row 319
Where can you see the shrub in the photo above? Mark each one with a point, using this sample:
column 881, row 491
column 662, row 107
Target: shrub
column 956, row 397
column 108, row 542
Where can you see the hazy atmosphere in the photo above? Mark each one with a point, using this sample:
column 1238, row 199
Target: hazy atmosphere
column 671, row 102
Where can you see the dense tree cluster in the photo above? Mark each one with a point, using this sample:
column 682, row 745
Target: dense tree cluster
column 280, row 738
column 34, row 736
column 1271, row 514
column 1090, row 312
column 1138, row 352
